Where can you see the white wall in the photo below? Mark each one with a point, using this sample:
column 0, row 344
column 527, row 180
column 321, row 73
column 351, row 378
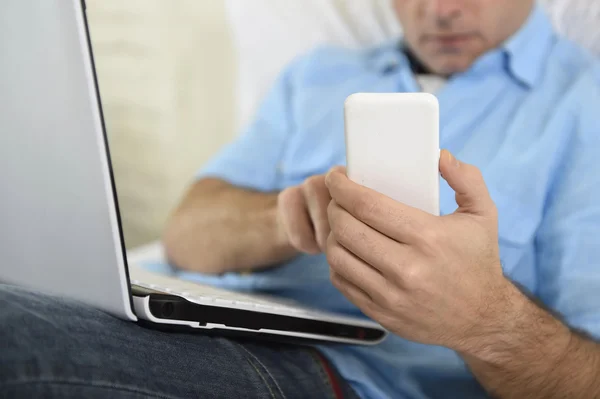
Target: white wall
column 166, row 73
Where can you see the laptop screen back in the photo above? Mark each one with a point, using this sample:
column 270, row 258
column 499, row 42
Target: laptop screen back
column 59, row 222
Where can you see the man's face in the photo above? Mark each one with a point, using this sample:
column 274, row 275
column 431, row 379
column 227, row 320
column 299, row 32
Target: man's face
column 449, row 35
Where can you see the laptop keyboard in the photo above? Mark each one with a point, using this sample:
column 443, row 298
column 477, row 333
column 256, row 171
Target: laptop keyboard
column 207, row 295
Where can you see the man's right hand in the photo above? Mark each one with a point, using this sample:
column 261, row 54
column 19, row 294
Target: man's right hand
column 302, row 215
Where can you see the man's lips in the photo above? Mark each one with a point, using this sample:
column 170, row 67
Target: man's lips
column 449, row 40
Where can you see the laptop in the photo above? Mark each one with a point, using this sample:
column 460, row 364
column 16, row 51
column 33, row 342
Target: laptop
column 60, row 230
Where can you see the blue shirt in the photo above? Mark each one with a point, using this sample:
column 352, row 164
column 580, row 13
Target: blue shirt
column 527, row 114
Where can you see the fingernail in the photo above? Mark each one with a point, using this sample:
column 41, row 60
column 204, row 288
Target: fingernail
column 453, row 161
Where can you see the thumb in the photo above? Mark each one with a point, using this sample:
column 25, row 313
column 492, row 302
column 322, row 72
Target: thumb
column 338, row 169
column 472, row 195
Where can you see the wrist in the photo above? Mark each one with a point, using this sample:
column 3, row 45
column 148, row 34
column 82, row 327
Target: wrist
column 281, row 238
column 515, row 327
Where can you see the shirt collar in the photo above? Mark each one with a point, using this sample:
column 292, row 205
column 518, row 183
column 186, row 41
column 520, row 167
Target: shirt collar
column 389, row 57
column 526, row 50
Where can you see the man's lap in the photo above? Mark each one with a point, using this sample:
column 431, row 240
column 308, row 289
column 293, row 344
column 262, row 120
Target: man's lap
column 56, row 347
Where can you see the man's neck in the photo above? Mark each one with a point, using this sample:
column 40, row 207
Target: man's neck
column 416, row 65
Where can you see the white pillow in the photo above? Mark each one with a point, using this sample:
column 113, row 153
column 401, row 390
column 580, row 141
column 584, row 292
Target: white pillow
column 268, row 34
column 579, row 20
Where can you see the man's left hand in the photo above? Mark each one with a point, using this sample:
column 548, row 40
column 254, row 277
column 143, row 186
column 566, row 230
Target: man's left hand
column 430, row 279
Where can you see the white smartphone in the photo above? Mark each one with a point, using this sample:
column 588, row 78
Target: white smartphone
column 392, row 146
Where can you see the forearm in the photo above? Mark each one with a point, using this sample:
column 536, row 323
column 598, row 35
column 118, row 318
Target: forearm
column 537, row 357
column 220, row 228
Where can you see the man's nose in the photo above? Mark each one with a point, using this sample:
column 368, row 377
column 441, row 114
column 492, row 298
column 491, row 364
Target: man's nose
column 445, row 11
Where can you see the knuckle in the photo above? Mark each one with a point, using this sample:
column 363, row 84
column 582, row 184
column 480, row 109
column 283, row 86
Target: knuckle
column 472, row 171
column 308, row 247
column 341, row 232
column 313, row 184
column 392, row 299
column 288, row 207
column 334, row 257
column 288, row 197
column 394, row 263
column 430, row 236
column 338, row 222
column 493, row 210
column 412, row 275
column 295, row 240
column 302, row 243
column 365, row 206
column 336, row 280
column 476, row 172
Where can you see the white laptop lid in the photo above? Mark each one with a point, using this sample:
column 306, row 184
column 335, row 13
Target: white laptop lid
column 59, row 223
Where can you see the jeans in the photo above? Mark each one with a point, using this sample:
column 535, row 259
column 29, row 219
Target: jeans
column 54, row 347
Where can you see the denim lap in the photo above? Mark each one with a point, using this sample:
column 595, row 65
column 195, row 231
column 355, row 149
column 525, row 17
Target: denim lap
column 52, row 347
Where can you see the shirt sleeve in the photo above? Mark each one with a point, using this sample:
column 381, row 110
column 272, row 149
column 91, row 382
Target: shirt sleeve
column 568, row 241
column 252, row 159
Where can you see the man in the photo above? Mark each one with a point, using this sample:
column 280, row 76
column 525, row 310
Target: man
column 516, row 100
